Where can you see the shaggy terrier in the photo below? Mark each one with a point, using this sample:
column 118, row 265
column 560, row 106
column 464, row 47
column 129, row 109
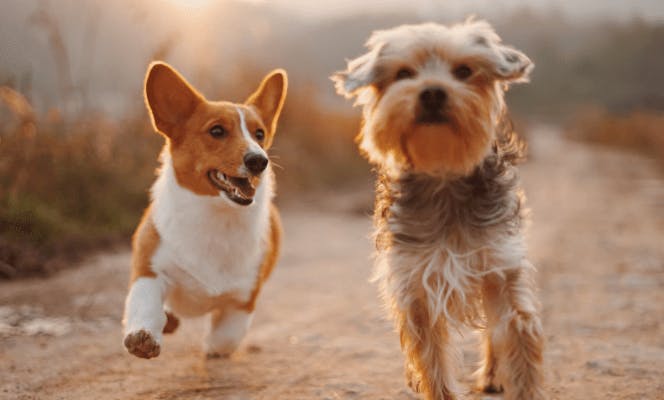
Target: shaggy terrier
column 449, row 212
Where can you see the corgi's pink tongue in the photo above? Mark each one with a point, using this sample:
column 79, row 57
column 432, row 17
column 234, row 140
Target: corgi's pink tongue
column 244, row 186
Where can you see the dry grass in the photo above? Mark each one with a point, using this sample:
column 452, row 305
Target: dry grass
column 640, row 131
column 68, row 187
column 315, row 146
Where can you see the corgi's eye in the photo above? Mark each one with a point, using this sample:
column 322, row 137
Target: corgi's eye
column 462, row 72
column 404, row 73
column 217, row 131
column 260, row 134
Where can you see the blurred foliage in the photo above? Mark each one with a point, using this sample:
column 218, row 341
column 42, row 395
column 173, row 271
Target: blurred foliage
column 72, row 181
column 315, row 145
column 639, row 131
column 66, row 187
column 615, row 65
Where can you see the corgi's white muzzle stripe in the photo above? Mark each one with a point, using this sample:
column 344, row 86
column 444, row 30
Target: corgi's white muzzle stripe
column 253, row 145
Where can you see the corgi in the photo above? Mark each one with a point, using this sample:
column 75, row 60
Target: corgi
column 210, row 237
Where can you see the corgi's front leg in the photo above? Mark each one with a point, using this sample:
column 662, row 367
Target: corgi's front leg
column 144, row 317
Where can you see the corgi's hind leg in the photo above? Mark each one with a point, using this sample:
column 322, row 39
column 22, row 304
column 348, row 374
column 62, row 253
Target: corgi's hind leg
column 225, row 331
column 229, row 323
column 172, row 322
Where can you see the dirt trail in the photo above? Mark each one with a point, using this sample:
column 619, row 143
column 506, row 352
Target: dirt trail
column 597, row 239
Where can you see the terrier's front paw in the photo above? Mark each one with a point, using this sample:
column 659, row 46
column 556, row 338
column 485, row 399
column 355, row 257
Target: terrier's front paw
column 413, row 378
column 491, row 388
column 142, row 344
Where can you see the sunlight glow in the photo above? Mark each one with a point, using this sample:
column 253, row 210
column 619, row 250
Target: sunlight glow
column 192, row 4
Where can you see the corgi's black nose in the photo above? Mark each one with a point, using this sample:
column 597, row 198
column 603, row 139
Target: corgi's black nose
column 255, row 162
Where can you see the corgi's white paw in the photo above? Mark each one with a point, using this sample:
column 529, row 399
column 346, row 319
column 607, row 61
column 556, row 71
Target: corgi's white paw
column 142, row 344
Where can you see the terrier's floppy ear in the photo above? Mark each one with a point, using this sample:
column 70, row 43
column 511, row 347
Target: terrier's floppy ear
column 169, row 97
column 269, row 98
column 511, row 65
column 360, row 72
column 506, row 63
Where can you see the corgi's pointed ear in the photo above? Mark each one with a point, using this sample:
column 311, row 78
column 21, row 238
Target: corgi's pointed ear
column 169, row 97
column 269, row 98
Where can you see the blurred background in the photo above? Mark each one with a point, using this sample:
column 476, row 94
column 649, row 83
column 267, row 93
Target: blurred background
column 77, row 153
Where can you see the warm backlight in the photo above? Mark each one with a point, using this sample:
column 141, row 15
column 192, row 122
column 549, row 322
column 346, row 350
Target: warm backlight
column 192, row 3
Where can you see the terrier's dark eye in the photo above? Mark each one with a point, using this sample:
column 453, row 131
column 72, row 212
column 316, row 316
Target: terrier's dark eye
column 462, row 72
column 260, row 134
column 217, row 131
column 404, row 73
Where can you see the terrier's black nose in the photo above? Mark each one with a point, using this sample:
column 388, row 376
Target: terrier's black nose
column 433, row 98
column 255, row 162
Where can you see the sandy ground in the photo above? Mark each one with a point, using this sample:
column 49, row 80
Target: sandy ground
column 597, row 238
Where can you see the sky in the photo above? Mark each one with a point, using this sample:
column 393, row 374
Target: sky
column 649, row 9
column 322, row 9
column 109, row 43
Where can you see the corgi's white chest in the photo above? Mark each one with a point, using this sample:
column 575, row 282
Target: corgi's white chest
column 207, row 244
column 215, row 256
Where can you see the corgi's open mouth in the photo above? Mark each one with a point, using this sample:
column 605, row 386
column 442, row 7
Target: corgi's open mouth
column 240, row 190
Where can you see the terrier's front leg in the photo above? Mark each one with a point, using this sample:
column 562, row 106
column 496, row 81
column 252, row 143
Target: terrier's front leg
column 144, row 317
column 429, row 355
column 487, row 380
column 516, row 336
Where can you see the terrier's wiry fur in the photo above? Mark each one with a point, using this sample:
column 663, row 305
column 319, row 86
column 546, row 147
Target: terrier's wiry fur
column 449, row 211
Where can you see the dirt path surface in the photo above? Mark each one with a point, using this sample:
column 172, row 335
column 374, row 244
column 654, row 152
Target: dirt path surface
column 597, row 239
